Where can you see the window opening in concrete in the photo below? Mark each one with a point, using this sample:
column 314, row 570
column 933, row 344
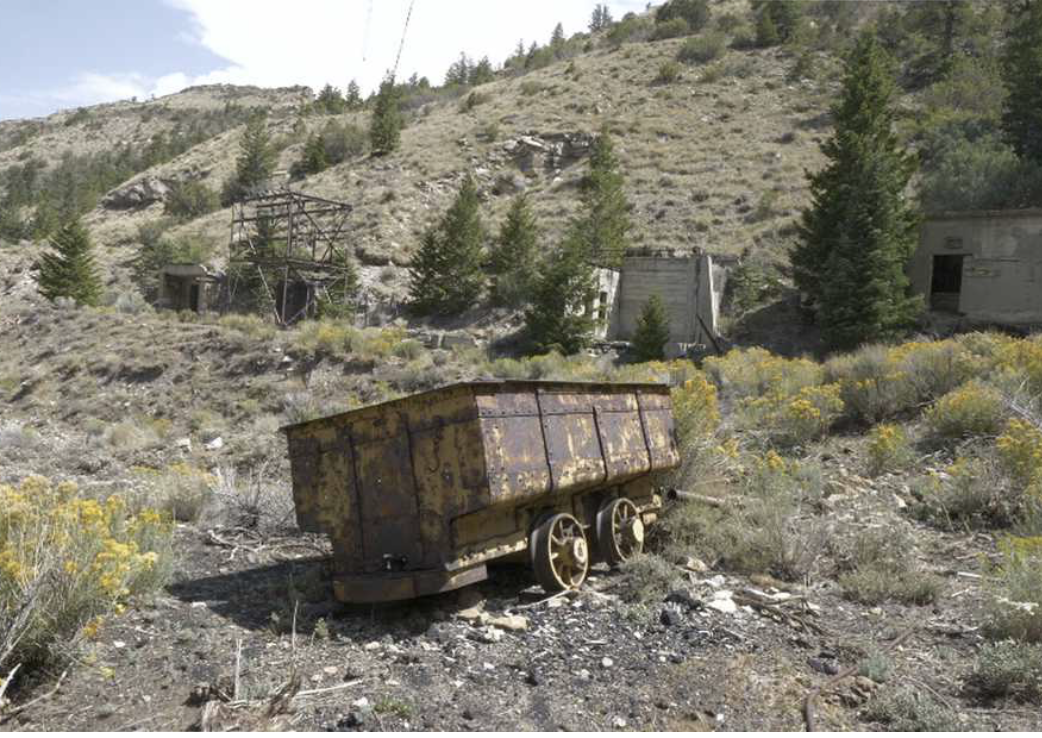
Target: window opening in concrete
column 946, row 285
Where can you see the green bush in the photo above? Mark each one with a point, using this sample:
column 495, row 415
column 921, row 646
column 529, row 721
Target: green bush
column 693, row 12
column 907, row 710
column 878, row 564
column 673, row 28
column 188, row 200
column 1008, row 670
column 646, row 578
column 1014, row 609
column 668, row 73
column 703, row 49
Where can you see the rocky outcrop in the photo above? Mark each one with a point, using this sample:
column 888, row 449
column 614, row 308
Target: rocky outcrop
column 137, row 194
column 548, row 151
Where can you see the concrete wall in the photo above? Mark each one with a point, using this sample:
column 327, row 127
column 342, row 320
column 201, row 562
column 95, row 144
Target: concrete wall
column 605, row 303
column 689, row 285
column 1002, row 264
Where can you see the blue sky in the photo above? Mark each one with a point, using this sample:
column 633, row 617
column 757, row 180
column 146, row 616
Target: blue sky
column 67, row 53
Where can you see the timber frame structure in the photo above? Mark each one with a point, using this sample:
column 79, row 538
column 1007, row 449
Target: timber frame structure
column 296, row 245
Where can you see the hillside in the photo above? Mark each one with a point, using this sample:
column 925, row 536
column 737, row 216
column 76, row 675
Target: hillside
column 848, row 543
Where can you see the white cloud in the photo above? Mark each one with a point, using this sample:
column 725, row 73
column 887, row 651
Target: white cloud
column 272, row 43
column 312, row 42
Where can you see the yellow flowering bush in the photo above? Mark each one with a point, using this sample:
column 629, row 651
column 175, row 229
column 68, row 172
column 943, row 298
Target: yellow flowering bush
column 1020, row 449
column 972, row 409
column 796, row 418
column 696, row 410
column 755, row 372
column 67, row 561
column 888, row 449
column 1023, row 357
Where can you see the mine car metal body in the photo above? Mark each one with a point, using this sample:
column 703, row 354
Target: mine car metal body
column 420, row 493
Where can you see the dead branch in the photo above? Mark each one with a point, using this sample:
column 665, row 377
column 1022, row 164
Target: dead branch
column 42, row 698
column 326, row 690
column 7, row 683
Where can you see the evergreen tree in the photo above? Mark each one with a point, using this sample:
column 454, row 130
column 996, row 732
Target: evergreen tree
column 330, row 100
column 256, row 161
column 446, row 277
column 859, row 232
column 652, row 332
column 557, row 40
column 459, row 72
column 385, row 127
column 1022, row 72
column 933, row 32
column 513, row 255
column 776, row 20
column 482, row 72
column 313, row 160
column 601, row 18
column 69, row 269
column 606, row 222
column 695, row 12
column 560, row 317
column 353, row 99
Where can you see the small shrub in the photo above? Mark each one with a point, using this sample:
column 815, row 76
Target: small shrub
column 253, row 326
column 872, row 385
column 410, row 349
column 766, row 533
column 668, row 73
column 67, row 562
column 973, row 492
column 255, row 500
column 696, row 411
column 531, row 87
column 1008, row 670
column 474, row 99
column 646, row 578
column 889, row 449
column 131, row 303
column 907, row 710
column 879, row 564
column 756, row 372
column 973, row 409
column 181, row 490
column 876, row 666
column 703, row 49
column 1014, row 611
column 300, row 407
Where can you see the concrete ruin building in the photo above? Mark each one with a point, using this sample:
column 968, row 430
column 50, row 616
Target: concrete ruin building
column 192, row 287
column 691, row 284
column 983, row 265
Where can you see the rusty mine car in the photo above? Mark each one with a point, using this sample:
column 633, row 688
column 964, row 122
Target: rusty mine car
column 419, row 494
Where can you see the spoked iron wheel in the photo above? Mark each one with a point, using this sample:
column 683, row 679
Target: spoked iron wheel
column 620, row 531
column 560, row 554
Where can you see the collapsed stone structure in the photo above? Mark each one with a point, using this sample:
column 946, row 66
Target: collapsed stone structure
column 983, row 265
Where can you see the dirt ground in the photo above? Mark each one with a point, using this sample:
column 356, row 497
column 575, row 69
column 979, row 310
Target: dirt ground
column 583, row 661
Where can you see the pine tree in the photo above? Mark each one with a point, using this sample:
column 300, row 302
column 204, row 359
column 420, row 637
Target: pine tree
column 459, row 72
column 69, row 269
column 353, row 99
column 513, row 255
column 482, row 72
column 313, row 160
column 652, row 332
column 330, row 100
column 557, row 40
column 560, row 317
column 446, row 277
column 385, row 127
column 776, row 20
column 606, row 222
column 859, row 232
column 695, row 12
column 1022, row 72
column 256, row 162
column 601, row 18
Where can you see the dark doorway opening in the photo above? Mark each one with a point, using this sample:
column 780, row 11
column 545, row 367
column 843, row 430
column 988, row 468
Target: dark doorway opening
column 946, row 285
column 193, row 298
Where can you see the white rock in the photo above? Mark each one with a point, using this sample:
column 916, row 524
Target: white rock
column 216, row 444
column 607, row 663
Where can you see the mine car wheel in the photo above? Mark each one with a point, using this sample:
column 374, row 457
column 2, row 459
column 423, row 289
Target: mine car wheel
column 620, row 531
column 560, row 554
